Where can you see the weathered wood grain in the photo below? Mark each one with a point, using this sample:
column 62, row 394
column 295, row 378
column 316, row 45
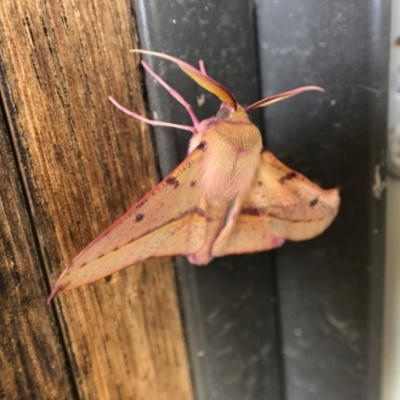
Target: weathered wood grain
column 32, row 362
column 82, row 164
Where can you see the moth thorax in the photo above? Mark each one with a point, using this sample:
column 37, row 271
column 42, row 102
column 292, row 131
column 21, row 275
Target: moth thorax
column 227, row 170
column 238, row 131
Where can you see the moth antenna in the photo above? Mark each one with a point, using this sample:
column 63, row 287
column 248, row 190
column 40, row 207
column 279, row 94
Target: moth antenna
column 151, row 121
column 202, row 67
column 173, row 93
column 201, row 79
column 282, row 96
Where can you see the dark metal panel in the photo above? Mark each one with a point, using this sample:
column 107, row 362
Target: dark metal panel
column 228, row 306
column 330, row 288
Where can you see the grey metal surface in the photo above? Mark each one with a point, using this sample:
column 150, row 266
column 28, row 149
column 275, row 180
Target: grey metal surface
column 330, row 288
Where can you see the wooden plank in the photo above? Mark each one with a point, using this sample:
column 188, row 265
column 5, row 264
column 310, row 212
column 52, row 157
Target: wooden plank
column 83, row 164
column 32, row 363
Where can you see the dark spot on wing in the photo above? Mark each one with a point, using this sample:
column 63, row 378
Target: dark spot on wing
column 193, row 183
column 108, row 278
column 397, row 41
column 287, row 177
column 259, row 183
column 251, row 211
column 101, row 256
column 139, row 217
column 202, row 146
column 314, row 202
column 172, row 181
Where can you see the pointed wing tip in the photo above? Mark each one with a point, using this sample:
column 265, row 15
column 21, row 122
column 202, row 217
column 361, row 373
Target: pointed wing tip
column 335, row 195
column 57, row 287
column 332, row 199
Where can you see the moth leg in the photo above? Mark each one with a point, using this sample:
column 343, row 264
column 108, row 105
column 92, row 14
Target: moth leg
column 202, row 67
column 214, row 224
column 151, row 121
column 173, row 93
column 233, row 214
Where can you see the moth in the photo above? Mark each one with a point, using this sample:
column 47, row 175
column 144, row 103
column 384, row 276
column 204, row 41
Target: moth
column 228, row 196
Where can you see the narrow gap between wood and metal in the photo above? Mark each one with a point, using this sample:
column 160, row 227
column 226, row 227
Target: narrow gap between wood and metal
column 11, row 132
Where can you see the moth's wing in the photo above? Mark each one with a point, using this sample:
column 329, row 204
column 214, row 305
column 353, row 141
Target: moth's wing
column 167, row 221
column 281, row 204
